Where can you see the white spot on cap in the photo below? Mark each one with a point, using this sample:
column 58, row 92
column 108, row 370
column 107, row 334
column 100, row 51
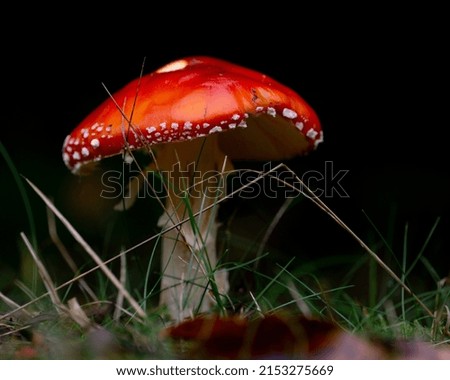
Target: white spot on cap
column 215, row 129
column 100, row 128
column 271, row 111
column 163, row 125
column 173, row 66
column 85, row 151
column 95, row 143
column 85, row 134
column 187, row 125
column 94, row 126
column 288, row 113
column 150, row 129
column 299, row 125
column 66, row 158
column 206, row 125
column 174, row 126
column 76, row 156
column 259, row 109
column 232, row 125
column 69, row 149
column 108, row 128
column 157, row 134
column 312, row 134
column 66, row 140
column 235, row 117
column 319, row 140
column 242, row 124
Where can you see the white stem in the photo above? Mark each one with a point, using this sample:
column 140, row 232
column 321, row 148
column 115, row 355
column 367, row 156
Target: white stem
column 189, row 261
column 189, row 257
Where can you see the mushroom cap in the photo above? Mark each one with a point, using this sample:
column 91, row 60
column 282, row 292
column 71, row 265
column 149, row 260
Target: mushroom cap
column 195, row 97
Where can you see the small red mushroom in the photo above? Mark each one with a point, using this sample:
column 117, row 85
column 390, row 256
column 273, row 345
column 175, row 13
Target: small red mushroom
column 196, row 113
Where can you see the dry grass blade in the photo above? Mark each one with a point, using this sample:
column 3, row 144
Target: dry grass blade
column 14, row 331
column 255, row 301
column 101, row 264
column 297, row 297
column 276, row 219
column 77, row 314
column 46, row 279
column 123, row 278
column 65, row 253
column 13, row 305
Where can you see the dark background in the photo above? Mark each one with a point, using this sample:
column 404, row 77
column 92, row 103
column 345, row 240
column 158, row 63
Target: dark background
column 378, row 81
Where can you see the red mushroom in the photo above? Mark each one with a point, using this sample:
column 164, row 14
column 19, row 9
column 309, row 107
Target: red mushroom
column 196, row 113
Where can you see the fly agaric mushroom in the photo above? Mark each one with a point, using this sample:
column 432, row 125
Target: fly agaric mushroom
column 196, row 114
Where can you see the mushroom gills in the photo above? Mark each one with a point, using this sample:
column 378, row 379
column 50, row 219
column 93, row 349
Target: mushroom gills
column 265, row 138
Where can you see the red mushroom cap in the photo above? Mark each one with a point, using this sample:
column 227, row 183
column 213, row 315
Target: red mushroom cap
column 194, row 97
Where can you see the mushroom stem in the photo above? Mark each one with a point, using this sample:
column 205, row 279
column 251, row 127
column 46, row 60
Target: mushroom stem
column 190, row 280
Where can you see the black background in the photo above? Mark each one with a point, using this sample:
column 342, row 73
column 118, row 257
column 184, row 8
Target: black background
column 378, row 80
